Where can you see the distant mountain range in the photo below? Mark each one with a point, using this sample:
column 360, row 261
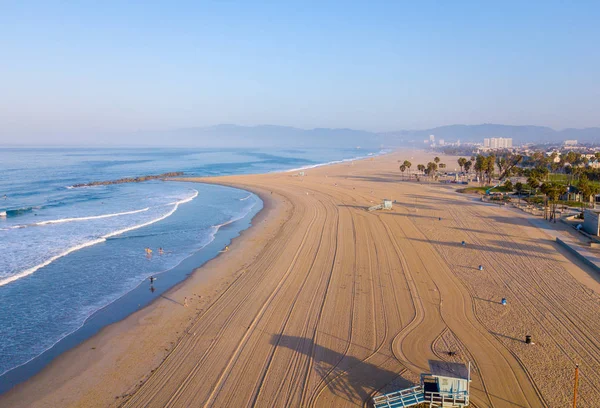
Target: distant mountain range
column 266, row 136
column 285, row 136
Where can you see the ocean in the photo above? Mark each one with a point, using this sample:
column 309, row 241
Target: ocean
column 73, row 259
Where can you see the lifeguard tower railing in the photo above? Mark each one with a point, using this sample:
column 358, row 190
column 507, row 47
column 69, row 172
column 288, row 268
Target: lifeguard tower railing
column 400, row 399
column 446, row 399
column 414, row 396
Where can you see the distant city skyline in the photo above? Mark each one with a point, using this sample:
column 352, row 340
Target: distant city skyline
column 71, row 71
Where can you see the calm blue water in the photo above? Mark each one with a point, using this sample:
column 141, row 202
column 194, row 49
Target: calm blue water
column 66, row 253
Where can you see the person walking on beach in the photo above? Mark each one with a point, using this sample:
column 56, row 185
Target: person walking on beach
column 185, row 301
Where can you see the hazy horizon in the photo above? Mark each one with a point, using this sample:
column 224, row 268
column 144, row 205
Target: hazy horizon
column 74, row 74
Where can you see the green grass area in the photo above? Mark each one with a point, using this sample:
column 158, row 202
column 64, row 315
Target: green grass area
column 571, row 203
column 534, row 199
column 564, row 178
column 540, row 200
column 559, row 178
column 483, row 189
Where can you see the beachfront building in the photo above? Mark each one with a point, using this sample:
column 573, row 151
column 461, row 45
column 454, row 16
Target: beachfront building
column 498, row 143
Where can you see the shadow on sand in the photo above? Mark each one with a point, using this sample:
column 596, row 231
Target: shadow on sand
column 345, row 376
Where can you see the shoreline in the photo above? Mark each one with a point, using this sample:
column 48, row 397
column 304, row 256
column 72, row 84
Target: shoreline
column 106, row 316
column 112, row 313
column 325, row 304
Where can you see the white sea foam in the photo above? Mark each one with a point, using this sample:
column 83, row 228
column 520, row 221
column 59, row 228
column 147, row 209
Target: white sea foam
column 186, row 200
column 245, row 198
column 89, row 313
column 48, row 261
column 92, row 217
column 103, row 238
column 216, row 228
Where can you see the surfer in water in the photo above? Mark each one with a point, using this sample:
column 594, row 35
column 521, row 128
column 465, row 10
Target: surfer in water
column 152, row 279
column 160, row 251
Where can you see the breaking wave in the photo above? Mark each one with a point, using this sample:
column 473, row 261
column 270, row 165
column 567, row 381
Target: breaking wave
column 103, row 238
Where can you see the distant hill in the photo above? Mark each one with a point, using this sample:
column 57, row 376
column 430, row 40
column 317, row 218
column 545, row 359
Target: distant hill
column 476, row 133
column 286, row 136
column 266, row 136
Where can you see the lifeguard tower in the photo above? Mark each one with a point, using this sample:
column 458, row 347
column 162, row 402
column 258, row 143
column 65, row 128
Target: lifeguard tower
column 385, row 205
column 446, row 386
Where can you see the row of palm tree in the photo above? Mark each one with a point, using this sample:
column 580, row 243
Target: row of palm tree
column 430, row 170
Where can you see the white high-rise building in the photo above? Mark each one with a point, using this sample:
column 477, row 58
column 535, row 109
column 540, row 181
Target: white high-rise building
column 570, row 142
column 497, row 142
column 431, row 139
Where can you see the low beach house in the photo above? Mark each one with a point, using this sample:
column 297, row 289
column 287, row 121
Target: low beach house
column 591, row 222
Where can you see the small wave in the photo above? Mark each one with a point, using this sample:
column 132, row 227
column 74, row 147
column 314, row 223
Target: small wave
column 185, row 200
column 245, row 198
column 31, row 270
column 216, row 228
column 91, row 217
column 18, row 211
column 103, row 238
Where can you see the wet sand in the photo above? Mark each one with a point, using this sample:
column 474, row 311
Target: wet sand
column 324, row 304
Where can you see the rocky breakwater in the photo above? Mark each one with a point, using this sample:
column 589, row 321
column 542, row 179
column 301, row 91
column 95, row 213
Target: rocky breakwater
column 130, row 179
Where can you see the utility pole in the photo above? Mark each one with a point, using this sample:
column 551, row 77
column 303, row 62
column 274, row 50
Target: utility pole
column 575, row 386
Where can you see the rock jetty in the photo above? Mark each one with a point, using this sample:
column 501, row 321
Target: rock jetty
column 130, row 179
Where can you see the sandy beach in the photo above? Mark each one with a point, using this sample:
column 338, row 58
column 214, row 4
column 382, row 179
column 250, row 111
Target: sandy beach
column 323, row 304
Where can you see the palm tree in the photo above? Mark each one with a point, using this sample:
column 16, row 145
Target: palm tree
column 489, row 167
column 402, row 169
column 533, row 184
column 480, row 166
column 519, row 188
column 468, row 165
column 407, row 164
column 431, row 169
column 586, row 188
column 553, row 191
column 461, row 162
column 421, row 167
column 436, row 160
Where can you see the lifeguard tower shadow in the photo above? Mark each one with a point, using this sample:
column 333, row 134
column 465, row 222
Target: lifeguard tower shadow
column 345, row 376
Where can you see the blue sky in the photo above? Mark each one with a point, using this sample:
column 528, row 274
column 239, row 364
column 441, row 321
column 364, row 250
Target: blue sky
column 114, row 66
